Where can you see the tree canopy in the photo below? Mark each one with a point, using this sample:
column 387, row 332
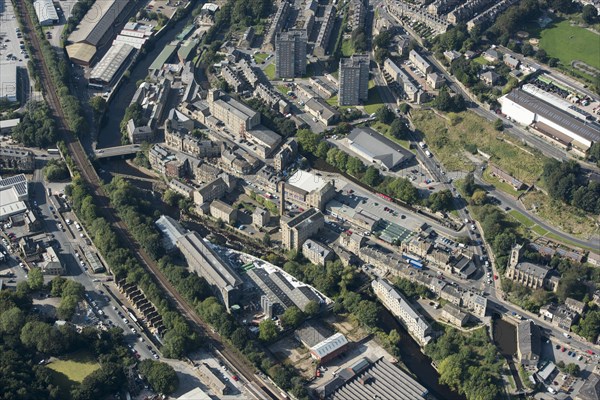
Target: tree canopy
column 160, row 376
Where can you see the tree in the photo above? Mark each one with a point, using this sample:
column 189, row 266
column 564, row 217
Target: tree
column 381, row 54
column 384, row 115
column 312, row 308
column 267, row 330
column 572, row 369
column 541, row 55
column 292, row 317
column 527, row 50
column 398, row 129
column 322, row 149
column 98, row 105
column 372, row 176
column 354, row 166
column 468, row 185
column 479, row 197
column 171, row 197
column 589, row 14
column 35, row 279
column 67, row 307
column 160, row 376
column 366, row 312
column 266, row 239
column 589, row 327
column 498, row 124
column 383, row 40
column 11, row 321
column 56, row 170
column 440, row 201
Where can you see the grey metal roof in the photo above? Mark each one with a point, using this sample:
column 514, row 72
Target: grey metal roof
column 98, row 20
column 112, row 61
column 528, row 342
column 554, row 114
column 378, row 147
column 380, row 380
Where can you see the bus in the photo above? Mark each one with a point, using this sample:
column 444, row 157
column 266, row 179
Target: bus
column 52, row 151
column 416, row 264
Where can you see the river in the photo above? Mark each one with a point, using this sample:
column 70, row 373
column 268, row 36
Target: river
column 110, row 134
column 417, row 362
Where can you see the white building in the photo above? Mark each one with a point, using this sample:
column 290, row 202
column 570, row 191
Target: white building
column 8, row 82
column 397, row 304
column 46, row 13
column 549, row 120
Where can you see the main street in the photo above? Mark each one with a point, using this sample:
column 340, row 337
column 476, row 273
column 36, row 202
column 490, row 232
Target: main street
column 496, row 300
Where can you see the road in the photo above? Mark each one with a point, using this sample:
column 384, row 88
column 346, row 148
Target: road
column 509, row 201
column 89, row 175
column 495, row 300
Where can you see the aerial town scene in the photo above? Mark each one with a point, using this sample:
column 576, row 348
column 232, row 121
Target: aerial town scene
column 300, row 199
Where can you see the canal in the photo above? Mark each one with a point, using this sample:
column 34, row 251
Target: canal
column 505, row 338
column 417, row 362
column 110, row 134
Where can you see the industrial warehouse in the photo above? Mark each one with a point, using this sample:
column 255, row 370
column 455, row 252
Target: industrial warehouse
column 115, row 60
column 550, row 121
column 378, row 149
column 95, row 32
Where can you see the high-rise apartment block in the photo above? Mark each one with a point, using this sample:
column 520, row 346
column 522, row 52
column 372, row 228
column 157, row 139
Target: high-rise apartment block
column 353, row 80
column 290, row 53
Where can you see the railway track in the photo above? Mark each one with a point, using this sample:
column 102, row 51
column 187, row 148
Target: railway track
column 101, row 200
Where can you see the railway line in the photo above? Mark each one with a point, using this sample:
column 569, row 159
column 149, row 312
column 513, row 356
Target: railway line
column 257, row 386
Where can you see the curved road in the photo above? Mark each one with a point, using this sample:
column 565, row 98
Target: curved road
column 515, row 204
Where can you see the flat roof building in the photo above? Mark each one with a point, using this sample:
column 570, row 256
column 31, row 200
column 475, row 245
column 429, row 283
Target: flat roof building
column 308, row 190
column 353, row 86
column 8, row 82
column 290, row 54
column 377, row 149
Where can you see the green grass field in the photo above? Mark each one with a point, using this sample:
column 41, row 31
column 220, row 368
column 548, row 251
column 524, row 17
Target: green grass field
column 447, row 140
column 522, row 218
column 260, row 57
column 374, row 101
column 73, row 369
column 282, row 89
column 481, row 61
column 270, row 71
column 568, row 43
column 347, row 48
column 384, row 130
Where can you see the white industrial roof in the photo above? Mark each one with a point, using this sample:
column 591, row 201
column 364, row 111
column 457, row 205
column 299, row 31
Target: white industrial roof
column 330, row 345
column 45, row 11
column 19, row 182
column 8, row 81
column 306, row 181
column 112, row 61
